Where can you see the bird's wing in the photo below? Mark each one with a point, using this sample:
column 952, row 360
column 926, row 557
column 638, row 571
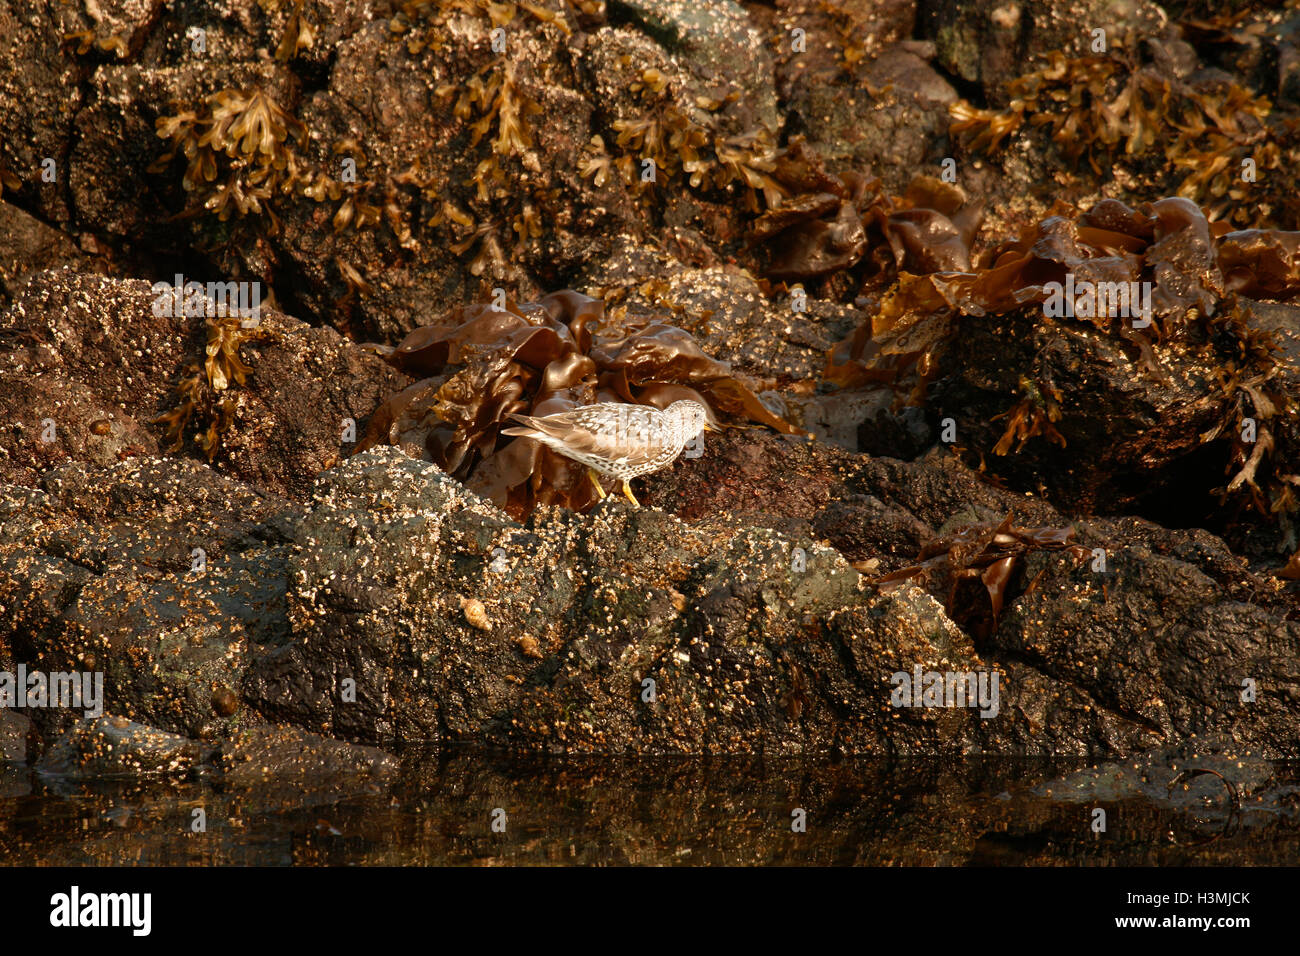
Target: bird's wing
column 588, row 430
column 637, row 438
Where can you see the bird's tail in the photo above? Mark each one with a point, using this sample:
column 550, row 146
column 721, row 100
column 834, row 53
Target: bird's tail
column 538, row 428
column 531, row 431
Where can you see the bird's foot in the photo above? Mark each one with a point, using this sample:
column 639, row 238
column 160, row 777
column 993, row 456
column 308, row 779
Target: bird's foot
column 627, row 490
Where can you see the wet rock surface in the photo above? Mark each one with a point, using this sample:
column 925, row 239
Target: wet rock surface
column 114, row 747
column 920, row 472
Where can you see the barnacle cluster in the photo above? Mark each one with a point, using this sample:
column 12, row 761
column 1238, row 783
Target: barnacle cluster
column 204, row 390
column 1214, row 137
column 485, row 362
column 1201, row 280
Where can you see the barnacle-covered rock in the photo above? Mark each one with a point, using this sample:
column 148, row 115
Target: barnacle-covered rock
column 643, row 597
column 754, row 639
column 102, row 747
column 986, row 41
column 720, row 46
column 29, row 246
column 149, row 572
column 112, row 28
column 890, row 115
column 695, row 152
column 215, row 143
column 115, row 747
column 808, row 37
column 468, row 166
column 39, row 99
column 91, row 359
column 1100, row 641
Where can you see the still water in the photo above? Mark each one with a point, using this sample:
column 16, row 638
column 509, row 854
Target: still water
column 440, row 810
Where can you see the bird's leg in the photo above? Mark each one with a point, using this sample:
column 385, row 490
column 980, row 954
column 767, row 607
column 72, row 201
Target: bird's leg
column 627, row 490
column 595, row 481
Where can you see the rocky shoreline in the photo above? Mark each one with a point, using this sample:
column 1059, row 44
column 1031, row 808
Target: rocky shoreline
column 183, row 506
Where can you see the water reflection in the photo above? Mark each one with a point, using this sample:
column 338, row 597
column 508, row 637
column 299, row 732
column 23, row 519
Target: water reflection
column 440, row 810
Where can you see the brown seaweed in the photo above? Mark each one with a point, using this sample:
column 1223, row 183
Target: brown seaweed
column 240, row 149
column 486, row 362
column 972, row 570
column 1196, row 269
column 204, row 390
column 1111, row 109
column 830, row 222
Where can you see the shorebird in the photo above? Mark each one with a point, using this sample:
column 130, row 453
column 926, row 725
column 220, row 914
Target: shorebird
column 619, row 440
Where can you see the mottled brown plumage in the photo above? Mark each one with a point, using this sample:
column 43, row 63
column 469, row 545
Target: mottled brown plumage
column 616, row 439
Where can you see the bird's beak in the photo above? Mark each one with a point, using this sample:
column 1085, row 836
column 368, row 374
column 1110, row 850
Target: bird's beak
column 711, row 428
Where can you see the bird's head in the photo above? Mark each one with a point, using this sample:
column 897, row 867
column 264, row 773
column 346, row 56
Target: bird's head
column 695, row 417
